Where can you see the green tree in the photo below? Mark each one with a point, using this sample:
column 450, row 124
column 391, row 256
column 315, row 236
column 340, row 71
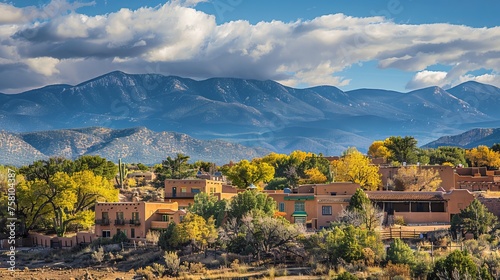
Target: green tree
column 207, row 205
column 445, row 154
column 170, row 238
column 346, row 242
column 457, row 264
column 46, row 169
column 279, row 183
column 362, row 212
column 475, row 219
column 251, row 201
column 357, row 168
column 400, row 253
column 358, row 199
column 245, row 173
column 402, row 149
column 176, row 168
column 496, row 147
column 142, row 167
column 98, row 165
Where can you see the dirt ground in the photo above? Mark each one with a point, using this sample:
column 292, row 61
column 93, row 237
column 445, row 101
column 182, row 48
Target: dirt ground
column 72, row 274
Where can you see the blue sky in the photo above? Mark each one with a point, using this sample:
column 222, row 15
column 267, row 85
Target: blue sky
column 391, row 44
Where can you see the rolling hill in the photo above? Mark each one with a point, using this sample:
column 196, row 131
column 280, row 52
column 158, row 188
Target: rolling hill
column 255, row 113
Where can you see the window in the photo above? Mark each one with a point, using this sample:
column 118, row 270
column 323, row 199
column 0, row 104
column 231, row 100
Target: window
column 164, row 218
column 132, row 233
column 300, row 220
column 124, row 231
column 281, row 207
column 106, row 233
column 135, row 216
column 300, row 206
column 326, row 210
column 119, row 215
column 183, row 189
column 105, row 216
column 195, row 191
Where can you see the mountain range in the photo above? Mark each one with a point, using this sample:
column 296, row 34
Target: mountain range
column 469, row 139
column 131, row 145
column 259, row 114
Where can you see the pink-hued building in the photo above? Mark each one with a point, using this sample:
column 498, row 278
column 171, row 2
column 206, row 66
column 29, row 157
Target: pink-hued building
column 183, row 191
column 135, row 219
column 317, row 206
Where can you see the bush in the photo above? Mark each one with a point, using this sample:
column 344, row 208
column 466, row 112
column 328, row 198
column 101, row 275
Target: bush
column 456, row 263
column 400, row 253
column 399, row 220
column 159, row 269
column 119, row 237
column 393, row 270
column 146, row 272
column 172, row 263
column 346, row 276
column 98, row 255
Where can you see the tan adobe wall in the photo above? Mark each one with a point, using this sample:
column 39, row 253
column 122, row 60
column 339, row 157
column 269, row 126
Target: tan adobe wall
column 341, row 188
column 423, row 218
column 337, row 204
column 458, row 200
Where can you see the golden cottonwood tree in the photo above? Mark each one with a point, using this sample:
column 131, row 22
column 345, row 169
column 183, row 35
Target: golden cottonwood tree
column 378, row 149
column 63, row 200
column 483, row 156
column 314, row 176
column 357, row 168
column 199, row 232
column 414, row 178
column 245, row 173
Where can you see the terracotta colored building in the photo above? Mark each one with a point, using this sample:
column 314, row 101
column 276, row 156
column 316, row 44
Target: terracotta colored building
column 477, row 179
column 317, row 206
column 183, row 191
column 135, row 219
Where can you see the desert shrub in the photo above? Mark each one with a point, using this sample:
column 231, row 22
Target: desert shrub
column 346, row 276
column 319, row 269
column 159, row 269
column 172, row 263
column 423, row 265
column 98, row 255
column 369, row 256
column 146, row 272
column 399, row 220
column 397, row 269
column 197, row 268
column 457, row 263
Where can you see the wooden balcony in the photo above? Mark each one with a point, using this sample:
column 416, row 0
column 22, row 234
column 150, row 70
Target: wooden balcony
column 159, row 224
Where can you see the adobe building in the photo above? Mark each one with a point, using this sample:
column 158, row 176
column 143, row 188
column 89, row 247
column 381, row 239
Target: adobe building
column 316, row 206
column 445, row 172
column 477, row 179
column 421, row 207
column 134, row 219
column 183, row 191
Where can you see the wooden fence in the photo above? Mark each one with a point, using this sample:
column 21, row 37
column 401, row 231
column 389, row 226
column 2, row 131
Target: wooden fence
column 391, row 233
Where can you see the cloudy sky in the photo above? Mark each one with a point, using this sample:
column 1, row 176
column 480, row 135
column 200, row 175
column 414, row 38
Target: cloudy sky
column 391, row 44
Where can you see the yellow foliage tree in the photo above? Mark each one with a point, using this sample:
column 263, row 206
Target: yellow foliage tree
column 245, row 173
column 314, row 176
column 413, row 178
column 64, row 200
column 199, row 232
column 357, row 168
column 483, row 156
column 378, row 149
